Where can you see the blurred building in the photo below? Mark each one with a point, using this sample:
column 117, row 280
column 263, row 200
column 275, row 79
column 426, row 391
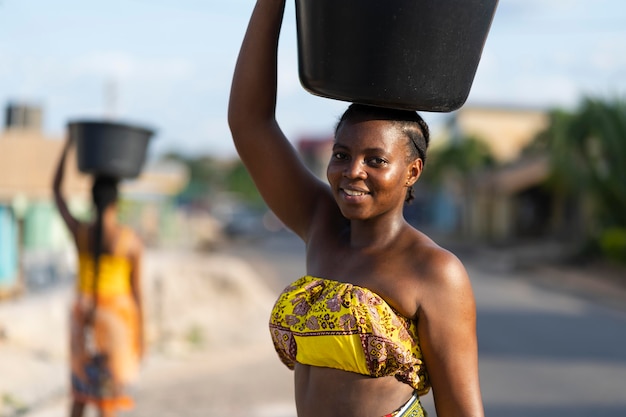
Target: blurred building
column 23, row 116
column 505, row 130
column 507, row 202
column 34, row 242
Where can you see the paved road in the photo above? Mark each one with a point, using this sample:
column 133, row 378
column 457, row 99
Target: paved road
column 547, row 349
column 546, row 353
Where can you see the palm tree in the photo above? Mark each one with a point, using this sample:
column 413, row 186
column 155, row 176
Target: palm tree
column 588, row 154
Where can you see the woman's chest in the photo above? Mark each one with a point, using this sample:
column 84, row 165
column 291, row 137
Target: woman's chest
column 389, row 275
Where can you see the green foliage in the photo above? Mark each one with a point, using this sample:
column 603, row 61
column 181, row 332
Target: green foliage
column 613, row 244
column 209, row 176
column 462, row 157
column 195, row 336
column 206, row 175
column 12, row 405
column 587, row 149
column 588, row 153
column 239, row 181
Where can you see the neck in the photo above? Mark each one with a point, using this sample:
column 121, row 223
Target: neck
column 372, row 234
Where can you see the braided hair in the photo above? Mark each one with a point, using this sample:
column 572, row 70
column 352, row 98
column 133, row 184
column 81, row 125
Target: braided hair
column 104, row 193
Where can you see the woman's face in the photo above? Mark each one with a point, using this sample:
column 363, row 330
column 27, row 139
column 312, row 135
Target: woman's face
column 368, row 171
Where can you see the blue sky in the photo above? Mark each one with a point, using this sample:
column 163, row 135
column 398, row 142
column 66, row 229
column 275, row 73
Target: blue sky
column 168, row 63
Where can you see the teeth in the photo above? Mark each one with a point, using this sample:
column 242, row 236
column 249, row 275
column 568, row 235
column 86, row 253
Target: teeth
column 354, row 193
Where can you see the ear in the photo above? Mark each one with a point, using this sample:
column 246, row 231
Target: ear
column 414, row 170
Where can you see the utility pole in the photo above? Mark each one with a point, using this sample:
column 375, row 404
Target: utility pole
column 110, row 98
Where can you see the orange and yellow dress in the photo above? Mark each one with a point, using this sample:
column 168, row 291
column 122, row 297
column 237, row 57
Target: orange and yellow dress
column 105, row 356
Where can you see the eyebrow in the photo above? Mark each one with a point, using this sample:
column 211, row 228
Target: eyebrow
column 374, row 149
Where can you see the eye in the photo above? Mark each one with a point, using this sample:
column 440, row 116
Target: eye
column 340, row 156
column 377, row 161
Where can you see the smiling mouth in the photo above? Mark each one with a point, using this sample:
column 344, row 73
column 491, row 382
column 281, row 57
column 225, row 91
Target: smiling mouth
column 354, row 193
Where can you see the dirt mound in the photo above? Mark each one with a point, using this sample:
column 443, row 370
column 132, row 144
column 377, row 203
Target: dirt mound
column 203, row 301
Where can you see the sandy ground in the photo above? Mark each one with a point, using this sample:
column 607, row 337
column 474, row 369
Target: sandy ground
column 206, row 322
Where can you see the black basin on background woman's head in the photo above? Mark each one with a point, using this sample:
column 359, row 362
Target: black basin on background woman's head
column 111, row 149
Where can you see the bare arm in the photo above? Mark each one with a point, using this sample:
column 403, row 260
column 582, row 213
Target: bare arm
column 447, row 331
column 287, row 186
column 71, row 222
column 136, row 257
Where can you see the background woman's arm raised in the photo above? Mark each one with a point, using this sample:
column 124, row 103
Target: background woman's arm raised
column 71, row 222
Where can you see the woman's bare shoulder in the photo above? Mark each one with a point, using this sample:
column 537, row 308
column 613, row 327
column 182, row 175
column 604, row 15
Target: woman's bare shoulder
column 438, row 268
column 132, row 244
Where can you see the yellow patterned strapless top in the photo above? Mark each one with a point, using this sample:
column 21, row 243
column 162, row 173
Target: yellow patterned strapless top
column 114, row 275
column 333, row 324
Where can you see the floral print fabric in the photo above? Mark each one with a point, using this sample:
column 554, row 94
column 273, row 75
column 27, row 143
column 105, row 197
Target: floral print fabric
column 322, row 322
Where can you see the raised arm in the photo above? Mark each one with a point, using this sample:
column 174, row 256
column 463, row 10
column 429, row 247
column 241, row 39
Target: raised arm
column 287, row 186
column 71, row 222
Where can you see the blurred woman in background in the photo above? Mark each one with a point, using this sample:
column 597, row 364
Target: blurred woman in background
column 106, row 332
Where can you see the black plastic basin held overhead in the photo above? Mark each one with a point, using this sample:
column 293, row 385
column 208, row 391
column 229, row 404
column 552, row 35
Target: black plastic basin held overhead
column 408, row 54
column 106, row 148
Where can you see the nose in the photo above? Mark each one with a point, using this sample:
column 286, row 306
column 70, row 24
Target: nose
column 355, row 170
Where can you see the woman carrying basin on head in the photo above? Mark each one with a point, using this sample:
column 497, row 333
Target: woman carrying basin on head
column 106, row 333
column 383, row 314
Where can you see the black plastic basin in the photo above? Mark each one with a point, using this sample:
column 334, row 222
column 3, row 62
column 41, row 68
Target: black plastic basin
column 110, row 149
column 407, row 54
